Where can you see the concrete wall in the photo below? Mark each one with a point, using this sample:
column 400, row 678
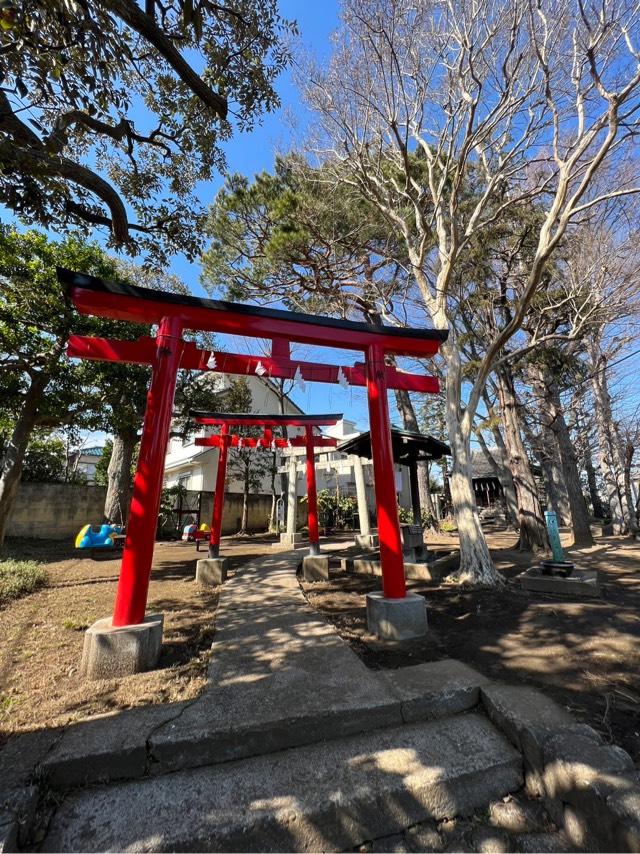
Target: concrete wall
column 55, row 510
column 59, row 510
column 259, row 510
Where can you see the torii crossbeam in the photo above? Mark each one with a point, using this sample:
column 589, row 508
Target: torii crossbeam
column 174, row 313
column 224, row 440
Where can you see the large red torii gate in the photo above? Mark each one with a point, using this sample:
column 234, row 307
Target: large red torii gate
column 168, row 352
column 224, row 440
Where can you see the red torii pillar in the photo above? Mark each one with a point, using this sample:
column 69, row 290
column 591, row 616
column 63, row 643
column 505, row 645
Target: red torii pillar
column 133, row 585
column 312, row 494
column 218, row 498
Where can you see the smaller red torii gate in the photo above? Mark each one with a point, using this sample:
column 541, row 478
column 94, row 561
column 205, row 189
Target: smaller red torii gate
column 224, row 440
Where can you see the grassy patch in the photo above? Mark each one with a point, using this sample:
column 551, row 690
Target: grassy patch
column 19, row 577
column 76, row 625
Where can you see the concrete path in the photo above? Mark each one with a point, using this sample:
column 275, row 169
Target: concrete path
column 279, row 674
column 279, row 677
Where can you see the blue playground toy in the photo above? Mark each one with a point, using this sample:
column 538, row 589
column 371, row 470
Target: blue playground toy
column 104, row 538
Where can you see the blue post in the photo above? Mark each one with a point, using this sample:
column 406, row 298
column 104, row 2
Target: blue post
column 551, row 521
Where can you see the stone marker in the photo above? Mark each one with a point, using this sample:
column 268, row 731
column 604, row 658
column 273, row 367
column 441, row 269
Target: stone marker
column 581, row 582
column 212, row 571
column 315, row 567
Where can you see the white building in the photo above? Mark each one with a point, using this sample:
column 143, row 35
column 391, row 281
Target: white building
column 334, row 470
column 194, row 467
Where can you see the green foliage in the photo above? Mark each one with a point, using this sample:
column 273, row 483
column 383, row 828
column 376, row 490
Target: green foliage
column 286, row 236
column 336, row 511
column 76, row 146
column 20, row 577
column 405, row 514
column 35, row 323
column 102, row 466
column 45, row 460
column 170, row 498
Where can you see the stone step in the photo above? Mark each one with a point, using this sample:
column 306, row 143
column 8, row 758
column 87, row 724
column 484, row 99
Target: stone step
column 323, row 797
column 267, row 715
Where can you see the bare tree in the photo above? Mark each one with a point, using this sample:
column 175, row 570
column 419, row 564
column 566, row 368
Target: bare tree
column 447, row 116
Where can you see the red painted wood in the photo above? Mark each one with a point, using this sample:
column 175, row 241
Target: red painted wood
column 142, row 351
column 218, row 498
column 137, row 557
column 393, row 582
column 312, row 493
column 295, row 442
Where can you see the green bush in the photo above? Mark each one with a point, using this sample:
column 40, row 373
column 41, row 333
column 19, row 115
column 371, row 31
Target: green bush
column 19, row 577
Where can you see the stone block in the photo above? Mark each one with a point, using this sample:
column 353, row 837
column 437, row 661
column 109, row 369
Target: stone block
column 113, row 651
column 412, row 537
column 513, row 709
column 212, row 571
column 582, row 582
column 315, row 568
column 368, row 542
column 435, row 689
column 538, row 843
column 111, row 747
column 412, row 571
column 397, row 619
column 290, row 540
column 17, row 816
column 573, row 761
column 330, row 796
column 520, row 815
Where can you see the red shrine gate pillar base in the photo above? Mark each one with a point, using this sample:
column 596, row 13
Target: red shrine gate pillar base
column 212, row 571
column 392, row 614
column 129, row 641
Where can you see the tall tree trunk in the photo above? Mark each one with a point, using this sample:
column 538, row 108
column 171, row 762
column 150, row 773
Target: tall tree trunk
column 410, row 422
column 552, row 418
column 533, row 533
column 508, row 485
column 594, row 495
column 580, row 522
column 608, row 442
column 545, row 449
column 15, row 449
column 476, row 565
column 629, row 451
column 116, row 505
column 506, row 480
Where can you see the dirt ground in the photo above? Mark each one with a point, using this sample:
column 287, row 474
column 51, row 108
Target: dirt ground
column 41, row 635
column 583, row 653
